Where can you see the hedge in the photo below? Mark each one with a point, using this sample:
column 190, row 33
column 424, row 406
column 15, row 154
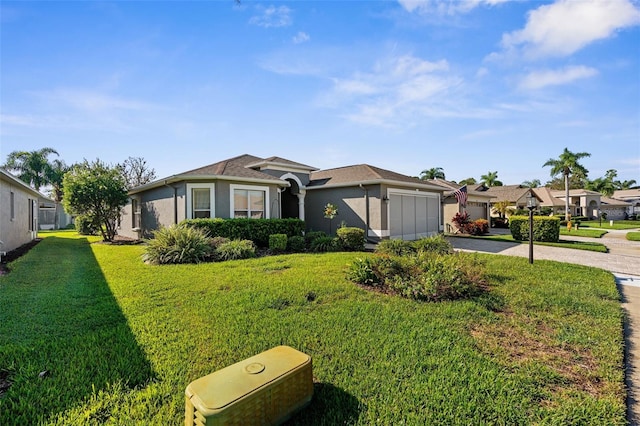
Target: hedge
column 256, row 230
column 545, row 228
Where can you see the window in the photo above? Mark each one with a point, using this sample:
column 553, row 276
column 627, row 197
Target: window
column 136, row 214
column 249, row 202
column 32, row 207
column 200, row 200
column 12, row 202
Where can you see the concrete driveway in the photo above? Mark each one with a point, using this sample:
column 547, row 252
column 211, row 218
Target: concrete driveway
column 623, row 260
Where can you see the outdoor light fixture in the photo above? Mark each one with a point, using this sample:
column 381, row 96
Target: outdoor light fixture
column 531, row 205
column 385, row 199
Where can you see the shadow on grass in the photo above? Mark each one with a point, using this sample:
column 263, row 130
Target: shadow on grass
column 330, row 406
column 63, row 336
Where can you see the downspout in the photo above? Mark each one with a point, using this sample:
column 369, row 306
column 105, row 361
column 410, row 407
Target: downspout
column 175, row 202
column 366, row 214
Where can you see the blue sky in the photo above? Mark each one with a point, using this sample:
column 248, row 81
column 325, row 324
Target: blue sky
column 471, row 86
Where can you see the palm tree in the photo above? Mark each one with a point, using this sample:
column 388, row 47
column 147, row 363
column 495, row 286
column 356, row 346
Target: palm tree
column 468, row 181
column 627, row 184
column 531, row 183
column 31, row 167
column 432, row 173
column 490, row 179
column 566, row 165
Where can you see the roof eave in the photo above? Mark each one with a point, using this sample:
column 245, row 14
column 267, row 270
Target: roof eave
column 379, row 182
column 188, row 178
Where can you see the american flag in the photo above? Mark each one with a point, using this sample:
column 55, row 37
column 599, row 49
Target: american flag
column 461, row 195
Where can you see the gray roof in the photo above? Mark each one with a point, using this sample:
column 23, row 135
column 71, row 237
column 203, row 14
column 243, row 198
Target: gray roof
column 233, row 167
column 510, row 193
column 364, row 173
column 279, row 161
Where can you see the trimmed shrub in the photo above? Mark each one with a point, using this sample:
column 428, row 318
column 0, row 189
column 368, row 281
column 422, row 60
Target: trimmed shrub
column 395, row 247
column 256, row 230
column 483, row 225
column 296, row 244
column 278, row 242
column 177, row 244
column 435, row 244
column 325, row 244
column 545, row 228
column 235, row 250
column 85, row 225
column 351, row 239
column 310, row 236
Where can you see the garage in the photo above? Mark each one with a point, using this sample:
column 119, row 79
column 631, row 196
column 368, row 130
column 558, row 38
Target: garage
column 413, row 215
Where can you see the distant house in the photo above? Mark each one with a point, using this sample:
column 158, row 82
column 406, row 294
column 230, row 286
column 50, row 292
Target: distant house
column 582, row 202
column 18, row 212
column 478, row 204
column 51, row 215
column 382, row 202
column 615, row 209
column 631, row 196
column 515, row 195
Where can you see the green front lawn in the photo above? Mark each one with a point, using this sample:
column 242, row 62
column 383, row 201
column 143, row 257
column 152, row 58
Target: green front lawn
column 591, row 233
column 121, row 340
column 633, row 236
column 578, row 245
column 617, row 224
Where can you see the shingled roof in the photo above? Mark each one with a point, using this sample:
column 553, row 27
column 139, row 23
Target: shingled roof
column 365, row 174
column 509, row 193
column 233, row 167
column 452, row 187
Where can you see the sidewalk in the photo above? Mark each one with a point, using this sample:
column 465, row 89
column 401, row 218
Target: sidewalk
column 623, row 260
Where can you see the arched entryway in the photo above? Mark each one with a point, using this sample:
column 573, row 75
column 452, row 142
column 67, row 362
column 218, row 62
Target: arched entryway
column 593, row 209
column 292, row 198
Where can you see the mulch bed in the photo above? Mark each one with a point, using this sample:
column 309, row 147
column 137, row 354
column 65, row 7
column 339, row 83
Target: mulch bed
column 14, row 254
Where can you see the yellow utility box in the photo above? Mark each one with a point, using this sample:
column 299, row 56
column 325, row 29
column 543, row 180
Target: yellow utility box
column 262, row 390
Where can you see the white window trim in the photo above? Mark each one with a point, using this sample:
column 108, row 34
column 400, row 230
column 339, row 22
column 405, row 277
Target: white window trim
column 212, row 187
column 232, row 190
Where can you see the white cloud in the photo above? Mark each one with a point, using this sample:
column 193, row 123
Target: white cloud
column 564, row 27
column 301, row 37
column 272, row 17
column 449, row 7
column 539, row 79
column 394, row 91
column 91, row 101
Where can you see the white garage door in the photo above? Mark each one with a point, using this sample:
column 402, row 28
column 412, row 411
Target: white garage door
column 413, row 216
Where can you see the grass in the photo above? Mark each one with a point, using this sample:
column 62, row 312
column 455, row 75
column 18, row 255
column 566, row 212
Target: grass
column 121, row 340
column 578, row 245
column 633, row 236
column 591, row 233
column 617, row 224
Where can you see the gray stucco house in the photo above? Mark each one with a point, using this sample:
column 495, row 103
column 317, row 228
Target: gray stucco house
column 384, row 203
column 18, row 212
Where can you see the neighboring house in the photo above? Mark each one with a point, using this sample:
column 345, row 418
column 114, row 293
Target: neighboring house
column 547, row 200
column 631, row 196
column 478, row 204
column 385, row 203
column 515, row 195
column 51, row 215
column 582, row 202
column 18, row 212
column 615, row 209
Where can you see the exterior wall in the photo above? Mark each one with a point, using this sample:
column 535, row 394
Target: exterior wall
column 449, row 209
column 17, row 231
column 614, row 212
column 351, row 204
column 158, row 208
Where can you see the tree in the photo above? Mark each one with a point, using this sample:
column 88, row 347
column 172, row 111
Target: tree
column 531, row 183
column 567, row 164
column 136, row 172
column 432, row 173
column 98, row 191
column 604, row 185
column 501, row 208
column 31, row 167
column 468, row 181
column 627, row 184
column 56, row 175
column 490, row 179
